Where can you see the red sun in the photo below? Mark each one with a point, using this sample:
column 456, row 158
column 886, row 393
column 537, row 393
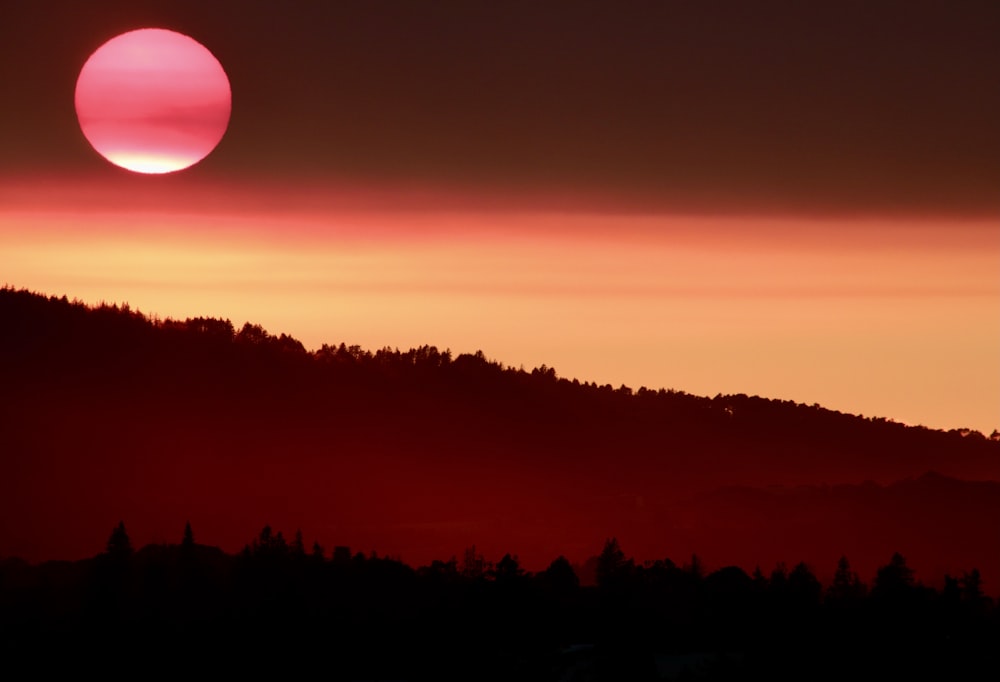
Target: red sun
column 153, row 101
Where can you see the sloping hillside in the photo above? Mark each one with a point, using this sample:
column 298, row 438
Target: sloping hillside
column 107, row 414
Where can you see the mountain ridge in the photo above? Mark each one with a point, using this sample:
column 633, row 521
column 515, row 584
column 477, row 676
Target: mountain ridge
column 110, row 414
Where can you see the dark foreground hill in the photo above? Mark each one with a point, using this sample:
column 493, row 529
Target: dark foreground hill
column 106, row 414
column 278, row 608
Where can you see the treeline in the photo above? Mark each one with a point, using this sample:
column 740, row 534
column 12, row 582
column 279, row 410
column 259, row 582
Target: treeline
column 70, row 339
column 368, row 616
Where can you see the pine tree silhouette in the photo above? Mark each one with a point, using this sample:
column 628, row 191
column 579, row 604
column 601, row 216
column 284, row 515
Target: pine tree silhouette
column 119, row 544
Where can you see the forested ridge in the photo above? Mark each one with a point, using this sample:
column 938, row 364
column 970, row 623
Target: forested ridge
column 119, row 346
column 108, row 413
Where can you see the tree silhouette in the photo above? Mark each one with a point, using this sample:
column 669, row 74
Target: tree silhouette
column 269, row 543
column 696, row 568
column 777, row 583
column 560, row 577
column 507, row 570
column 951, row 593
column 895, row 573
column 119, row 545
column 187, row 542
column 612, row 567
column 846, row 586
column 253, row 334
column 729, row 584
column 894, row 580
column 473, row 565
column 298, row 547
column 971, row 584
column 803, row 587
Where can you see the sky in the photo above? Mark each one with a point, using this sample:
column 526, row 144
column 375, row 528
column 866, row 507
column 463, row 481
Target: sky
column 794, row 200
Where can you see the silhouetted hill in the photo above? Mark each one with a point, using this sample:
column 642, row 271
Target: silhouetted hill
column 108, row 414
column 939, row 523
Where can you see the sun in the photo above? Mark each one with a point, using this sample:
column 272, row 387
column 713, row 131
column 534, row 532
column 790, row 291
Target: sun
column 153, row 101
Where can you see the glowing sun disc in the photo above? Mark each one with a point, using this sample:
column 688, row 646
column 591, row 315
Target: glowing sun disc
column 153, row 101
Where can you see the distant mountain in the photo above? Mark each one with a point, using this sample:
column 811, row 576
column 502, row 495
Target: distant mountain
column 940, row 524
column 107, row 414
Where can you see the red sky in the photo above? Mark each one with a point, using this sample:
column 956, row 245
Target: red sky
column 797, row 200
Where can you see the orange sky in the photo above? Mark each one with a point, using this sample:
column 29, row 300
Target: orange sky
column 890, row 317
column 797, row 200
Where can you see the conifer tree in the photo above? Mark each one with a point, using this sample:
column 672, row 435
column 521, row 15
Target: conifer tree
column 119, row 544
column 188, row 541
